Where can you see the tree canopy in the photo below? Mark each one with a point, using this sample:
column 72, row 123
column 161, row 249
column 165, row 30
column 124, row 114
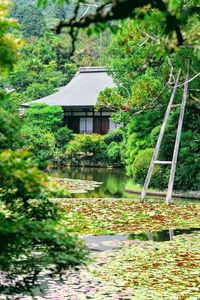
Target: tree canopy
column 175, row 13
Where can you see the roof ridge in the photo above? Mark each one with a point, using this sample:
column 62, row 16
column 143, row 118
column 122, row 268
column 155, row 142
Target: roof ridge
column 92, row 69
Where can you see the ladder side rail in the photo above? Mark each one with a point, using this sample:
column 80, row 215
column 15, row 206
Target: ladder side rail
column 178, row 138
column 160, row 137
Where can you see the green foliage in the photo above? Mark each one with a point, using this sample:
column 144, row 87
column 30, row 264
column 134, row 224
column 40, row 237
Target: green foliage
column 110, row 98
column 31, row 20
column 86, row 146
column 26, row 224
column 141, row 68
column 188, row 166
column 120, row 117
column 9, row 127
column 8, row 44
column 114, row 153
column 42, row 69
column 139, row 138
column 24, row 187
column 114, row 136
column 43, row 135
column 31, row 238
column 53, row 247
column 141, row 165
column 38, row 90
column 63, row 136
column 40, row 142
column 44, row 116
column 146, row 88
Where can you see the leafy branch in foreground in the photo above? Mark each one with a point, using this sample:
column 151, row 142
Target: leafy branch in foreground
column 31, row 237
column 175, row 14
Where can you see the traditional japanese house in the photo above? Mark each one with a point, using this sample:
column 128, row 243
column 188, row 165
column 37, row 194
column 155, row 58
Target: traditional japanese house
column 78, row 99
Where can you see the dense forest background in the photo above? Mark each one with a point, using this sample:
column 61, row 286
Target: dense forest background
column 45, row 64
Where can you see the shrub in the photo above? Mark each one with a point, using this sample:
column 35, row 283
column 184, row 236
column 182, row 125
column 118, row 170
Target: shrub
column 188, row 164
column 63, row 136
column 139, row 138
column 141, row 164
column 9, row 126
column 87, row 146
column 114, row 136
column 113, row 152
column 46, row 117
column 41, row 143
column 21, row 182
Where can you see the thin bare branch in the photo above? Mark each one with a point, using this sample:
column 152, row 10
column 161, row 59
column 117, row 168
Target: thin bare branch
column 191, row 79
column 171, row 79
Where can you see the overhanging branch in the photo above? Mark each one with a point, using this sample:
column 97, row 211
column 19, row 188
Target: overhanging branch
column 119, row 10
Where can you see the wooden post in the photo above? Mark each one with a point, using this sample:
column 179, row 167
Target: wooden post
column 178, row 138
column 171, row 234
column 159, row 141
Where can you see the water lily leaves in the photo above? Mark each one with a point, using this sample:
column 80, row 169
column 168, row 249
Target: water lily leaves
column 170, row 272
column 103, row 216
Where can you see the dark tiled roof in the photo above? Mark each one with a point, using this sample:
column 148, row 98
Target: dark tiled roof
column 82, row 90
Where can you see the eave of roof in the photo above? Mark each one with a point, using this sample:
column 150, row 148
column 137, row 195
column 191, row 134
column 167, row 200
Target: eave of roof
column 82, row 90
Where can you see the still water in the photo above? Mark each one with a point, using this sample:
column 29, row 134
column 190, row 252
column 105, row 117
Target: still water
column 112, row 242
column 113, row 180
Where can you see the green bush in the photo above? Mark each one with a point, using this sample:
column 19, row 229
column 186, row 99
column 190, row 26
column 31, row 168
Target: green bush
column 188, row 164
column 114, row 136
column 141, row 164
column 86, row 146
column 46, row 117
column 113, row 152
column 63, row 136
column 45, row 145
column 139, row 138
column 41, row 143
column 9, row 127
column 24, row 187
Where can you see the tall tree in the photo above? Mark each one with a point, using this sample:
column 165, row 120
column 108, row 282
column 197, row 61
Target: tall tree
column 31, row 20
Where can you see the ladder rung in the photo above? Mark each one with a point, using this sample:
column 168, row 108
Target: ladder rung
column 176, row 105
column 163, row 162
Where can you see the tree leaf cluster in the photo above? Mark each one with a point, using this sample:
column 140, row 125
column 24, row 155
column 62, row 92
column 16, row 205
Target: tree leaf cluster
column 31, row 238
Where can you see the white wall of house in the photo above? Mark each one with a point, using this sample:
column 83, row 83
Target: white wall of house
column 113, row 126
column 86, row 125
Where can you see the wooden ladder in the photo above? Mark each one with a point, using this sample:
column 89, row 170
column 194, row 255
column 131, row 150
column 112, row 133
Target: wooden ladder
column 173, row 163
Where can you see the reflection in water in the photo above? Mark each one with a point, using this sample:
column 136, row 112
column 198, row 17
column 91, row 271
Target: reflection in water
column 113, row 180
column 113, row 183
column 112, row 242
column 160, row 236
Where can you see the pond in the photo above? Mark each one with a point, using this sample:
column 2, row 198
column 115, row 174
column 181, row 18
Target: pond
column 113, row 180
